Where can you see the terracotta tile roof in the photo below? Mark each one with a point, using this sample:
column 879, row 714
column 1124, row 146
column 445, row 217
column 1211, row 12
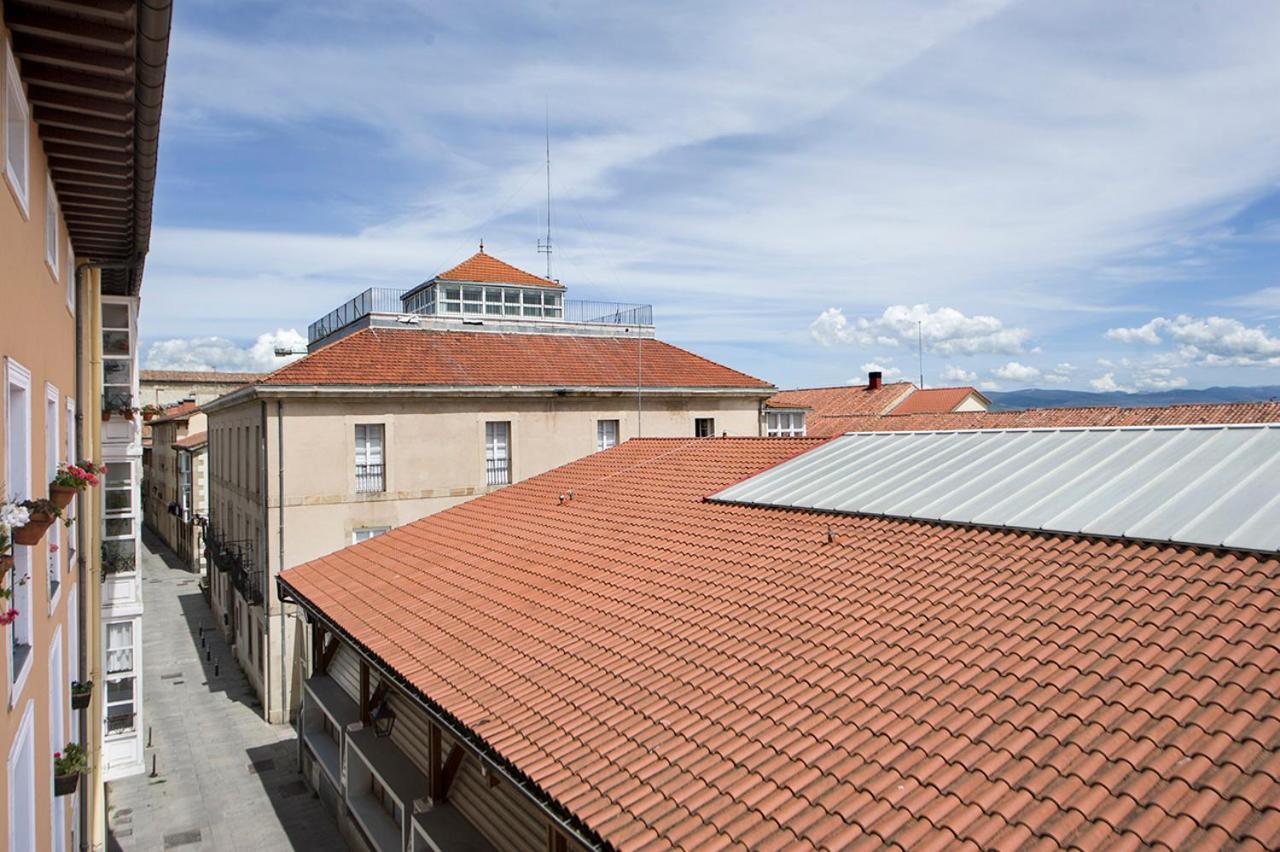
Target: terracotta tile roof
column 1171, row 415
column 192, row 441
column 176, row 411
column 379, row 356
column 487, row 269
column 845, row 399
column 197, row 376
column 700, row 674
column 936, row 400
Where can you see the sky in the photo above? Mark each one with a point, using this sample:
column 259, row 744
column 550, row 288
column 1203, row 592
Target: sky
column 1078, row 195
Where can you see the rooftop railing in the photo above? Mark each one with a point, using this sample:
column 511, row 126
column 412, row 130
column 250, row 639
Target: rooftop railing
column 384, row 300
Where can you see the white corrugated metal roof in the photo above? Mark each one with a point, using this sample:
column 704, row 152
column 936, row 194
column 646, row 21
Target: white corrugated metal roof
column 1208, row 485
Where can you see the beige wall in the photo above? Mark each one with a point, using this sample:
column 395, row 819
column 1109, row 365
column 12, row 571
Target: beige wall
column 163, row 393
column 972, row 402
column 434, row 456
column 160, row 476
column 37, row 331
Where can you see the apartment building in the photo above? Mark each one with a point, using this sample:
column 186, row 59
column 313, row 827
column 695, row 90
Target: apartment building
column 175, row 485
column 994, row 639
column 165, row 387
column 80, row 94
column 413, row 401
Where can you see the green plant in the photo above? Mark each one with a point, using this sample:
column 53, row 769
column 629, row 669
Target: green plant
column 79, row 687
column 45, row 506
column 115, row 561
column 71, row 760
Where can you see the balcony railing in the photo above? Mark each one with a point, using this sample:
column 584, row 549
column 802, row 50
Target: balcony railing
column 385, row 300
column 370, row 479
column 497, row 471
column 236, row 558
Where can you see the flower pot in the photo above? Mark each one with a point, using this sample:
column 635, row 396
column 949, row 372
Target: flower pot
column 6, row 562
column 80, row 700
column 65, row 785
column 106, row 415
column 147, row 415
column 34, row 530
column 62, row 495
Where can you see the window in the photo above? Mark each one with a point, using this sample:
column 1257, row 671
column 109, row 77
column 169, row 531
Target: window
column 51, row 227
column 366, row 533
column 18, row 449
column 383, row 797
column 117, row 356
column 119, row 546
column 22, row 784
column 497, row 453
column 69, row 439
column 491, row 301
column 57, row 731
column 120, row 656
column 704, row 427
column 784, row 424
column 370, row 468
column 70, row 274
column 606, row 434
column 184, row 484
column 17, row 133
column 52, row 415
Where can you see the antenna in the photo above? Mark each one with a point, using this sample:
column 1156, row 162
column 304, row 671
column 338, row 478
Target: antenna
column 544, row 247
column 920, row 349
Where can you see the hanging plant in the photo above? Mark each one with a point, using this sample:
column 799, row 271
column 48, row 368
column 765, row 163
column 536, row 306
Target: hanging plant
column 67, row 766
column 149, row 411
column 81, row 693
column 71, row 479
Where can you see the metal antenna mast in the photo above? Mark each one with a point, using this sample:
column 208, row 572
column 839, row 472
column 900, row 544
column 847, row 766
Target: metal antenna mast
column 920, row 348
column 544, row 246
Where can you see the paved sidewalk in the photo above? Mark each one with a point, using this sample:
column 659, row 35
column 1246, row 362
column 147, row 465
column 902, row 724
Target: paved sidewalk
column 225, row 779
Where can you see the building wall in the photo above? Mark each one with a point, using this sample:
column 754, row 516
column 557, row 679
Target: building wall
column 152, row 392
column 434, row 458
column 160, row 479
column 972, row 402
column 37, row 337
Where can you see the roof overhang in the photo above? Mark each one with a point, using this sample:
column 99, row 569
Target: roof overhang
column 94, row 72
column 263, row 391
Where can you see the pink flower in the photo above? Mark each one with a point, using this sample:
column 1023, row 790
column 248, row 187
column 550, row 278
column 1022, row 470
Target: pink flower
column 57, row 755
column 8, row 617
column 53, row 547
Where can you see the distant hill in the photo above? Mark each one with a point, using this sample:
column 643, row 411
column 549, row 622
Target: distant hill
column 1049, row 398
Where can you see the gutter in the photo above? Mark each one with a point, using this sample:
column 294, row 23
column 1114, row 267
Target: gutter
column 550, row 807
column 372, row 391
column 154, row 21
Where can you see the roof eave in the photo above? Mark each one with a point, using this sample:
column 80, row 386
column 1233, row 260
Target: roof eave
column 264, row 391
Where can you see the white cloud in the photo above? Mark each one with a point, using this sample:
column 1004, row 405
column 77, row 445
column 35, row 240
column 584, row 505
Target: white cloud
column 219, row 353
column 952, row 373
column 1015, row 372
column 945, row 331
column 1210, row 341
column 889, row 372
column 1107, row 383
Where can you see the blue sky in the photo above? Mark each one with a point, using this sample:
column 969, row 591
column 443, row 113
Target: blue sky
column 1079, row 195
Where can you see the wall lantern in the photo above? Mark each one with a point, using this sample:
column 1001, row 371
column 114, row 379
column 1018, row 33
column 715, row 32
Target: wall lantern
column 383, row 718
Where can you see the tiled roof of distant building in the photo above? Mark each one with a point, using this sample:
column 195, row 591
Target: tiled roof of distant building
column 176, row 411
column 421, row 357
column 209, row 377
column 680, row 672
column 193, row 441
column 936, row 400
column 843, row 399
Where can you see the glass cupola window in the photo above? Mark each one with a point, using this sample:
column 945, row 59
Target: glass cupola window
column 486, row 300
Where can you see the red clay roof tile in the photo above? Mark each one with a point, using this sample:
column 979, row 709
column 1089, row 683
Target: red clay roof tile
column 484, row 268
column 936, row 400
column 671, row 668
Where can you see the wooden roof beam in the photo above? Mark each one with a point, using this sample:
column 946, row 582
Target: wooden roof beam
column 74, row 30
column 91, row 155
column 34, row 71
column 33, row 47
column 53, row 117
column 103, row 107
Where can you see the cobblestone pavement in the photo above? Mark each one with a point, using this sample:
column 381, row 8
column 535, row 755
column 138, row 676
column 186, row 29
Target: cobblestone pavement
column 225, row 779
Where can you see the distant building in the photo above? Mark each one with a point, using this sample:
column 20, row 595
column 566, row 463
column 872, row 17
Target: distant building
column 175, row 483
column 819, row 412
column 995, row 640
column 164, row 387
column 414, row 401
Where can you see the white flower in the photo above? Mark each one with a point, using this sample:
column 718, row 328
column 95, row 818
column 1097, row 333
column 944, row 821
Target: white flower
column 13, row 516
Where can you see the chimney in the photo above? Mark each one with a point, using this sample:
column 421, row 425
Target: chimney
column 874, row 380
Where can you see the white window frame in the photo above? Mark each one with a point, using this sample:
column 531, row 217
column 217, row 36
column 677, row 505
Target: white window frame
column 58, row 706
column 15, row 97
column 52, row 417
column 19, row 484
column 368, row 533
column 73, row 509
column 497, row 454
column 698, row 421
column 70, row 273
column 604, row 440
column 73, row 651
column 51, row 235
column 131, row 673
column 20, row 765
column 369, row 483
column 775, row 420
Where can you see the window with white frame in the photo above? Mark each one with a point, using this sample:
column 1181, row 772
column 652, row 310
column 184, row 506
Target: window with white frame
column 119, row 547
column 51, row 226
column 370, row 458
column 784, row 424
column 487, row 301
column 366, row 533
column 17, row 132
column 117, row 356
column 497, row 453
column 69, row 272
column 22, row 783
column 73, row 509
column 121, row 677
column 606, row 434
column 704, row 427
column 57, row 731
column 18, row 448
column 52, row 414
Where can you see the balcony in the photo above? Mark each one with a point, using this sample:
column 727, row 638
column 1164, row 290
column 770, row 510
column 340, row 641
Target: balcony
column 370, row 479
column 236, row 558
column 390, row 303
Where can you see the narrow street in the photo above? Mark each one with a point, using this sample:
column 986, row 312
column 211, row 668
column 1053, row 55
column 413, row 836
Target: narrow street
column 224, row 778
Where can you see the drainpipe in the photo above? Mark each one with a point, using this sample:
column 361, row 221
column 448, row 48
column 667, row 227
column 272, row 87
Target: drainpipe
column 280, row 543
